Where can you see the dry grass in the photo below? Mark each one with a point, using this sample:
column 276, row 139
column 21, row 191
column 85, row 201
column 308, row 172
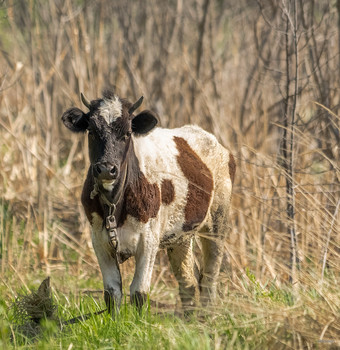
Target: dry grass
column 53, row 50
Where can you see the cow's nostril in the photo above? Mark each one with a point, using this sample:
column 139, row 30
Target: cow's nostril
column 98, row 168
column 113, row 170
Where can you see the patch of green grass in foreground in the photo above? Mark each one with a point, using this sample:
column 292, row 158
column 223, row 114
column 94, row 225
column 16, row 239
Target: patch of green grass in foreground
column 251, row 317
column 150, row 329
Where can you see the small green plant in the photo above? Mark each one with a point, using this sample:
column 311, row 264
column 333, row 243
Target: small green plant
column 269, row 290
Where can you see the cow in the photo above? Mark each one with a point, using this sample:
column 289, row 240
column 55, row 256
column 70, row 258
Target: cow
column 150, row 188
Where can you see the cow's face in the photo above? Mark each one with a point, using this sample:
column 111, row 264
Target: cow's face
column 110, row 123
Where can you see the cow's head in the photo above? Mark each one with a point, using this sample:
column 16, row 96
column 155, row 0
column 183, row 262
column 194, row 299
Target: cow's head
column 110, row 123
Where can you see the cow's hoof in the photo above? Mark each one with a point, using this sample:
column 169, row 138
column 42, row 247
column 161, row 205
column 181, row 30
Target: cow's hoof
column 138, row 299
column 112, row 299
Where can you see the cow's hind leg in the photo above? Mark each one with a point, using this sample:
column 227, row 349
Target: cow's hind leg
column 182, row 261
column 212, row 258
column 213, row 250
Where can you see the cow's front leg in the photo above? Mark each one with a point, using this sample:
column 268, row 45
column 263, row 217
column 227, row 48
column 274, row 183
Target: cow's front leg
column 109, row 267
column 145, row 259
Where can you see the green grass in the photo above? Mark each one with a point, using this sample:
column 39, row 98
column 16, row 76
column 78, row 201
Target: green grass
column 260, row 317
column 150, row 329
column 130, row 330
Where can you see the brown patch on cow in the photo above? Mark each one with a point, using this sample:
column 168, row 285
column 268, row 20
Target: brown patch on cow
column 232, row 167
column 141, row 200
column 167, row 191
column 200, row 184
column 90, row 205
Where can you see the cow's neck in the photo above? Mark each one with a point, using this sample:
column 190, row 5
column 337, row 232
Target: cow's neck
column 129, row 174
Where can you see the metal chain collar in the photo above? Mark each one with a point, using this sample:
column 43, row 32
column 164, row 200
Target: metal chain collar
column 111, row 226
column 110, row 220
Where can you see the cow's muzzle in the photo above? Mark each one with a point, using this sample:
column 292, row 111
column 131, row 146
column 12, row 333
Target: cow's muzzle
column 105, row 171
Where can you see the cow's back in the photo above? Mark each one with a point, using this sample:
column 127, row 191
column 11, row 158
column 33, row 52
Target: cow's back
column 158, row 151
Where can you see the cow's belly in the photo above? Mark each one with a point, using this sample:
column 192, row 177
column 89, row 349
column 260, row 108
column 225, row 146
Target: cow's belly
column 168, row 229
column 171, row 239
column 129, row 237
column 176, row 235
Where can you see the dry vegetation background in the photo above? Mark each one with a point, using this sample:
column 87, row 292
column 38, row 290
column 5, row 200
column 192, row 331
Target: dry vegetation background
column 263, row 76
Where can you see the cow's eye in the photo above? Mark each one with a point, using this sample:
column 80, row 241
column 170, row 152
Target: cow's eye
column 127, row 136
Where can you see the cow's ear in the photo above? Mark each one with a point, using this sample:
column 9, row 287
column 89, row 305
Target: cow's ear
column 143, row 122
column 75, row 120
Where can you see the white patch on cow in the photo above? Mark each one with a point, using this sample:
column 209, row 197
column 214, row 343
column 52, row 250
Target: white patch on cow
column 128, row 237
column 111, row 109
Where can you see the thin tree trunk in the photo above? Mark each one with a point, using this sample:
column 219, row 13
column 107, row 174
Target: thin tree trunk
column 288, row 136
column 199, row 51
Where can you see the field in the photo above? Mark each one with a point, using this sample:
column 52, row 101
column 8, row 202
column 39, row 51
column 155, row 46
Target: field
column 263, row 76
